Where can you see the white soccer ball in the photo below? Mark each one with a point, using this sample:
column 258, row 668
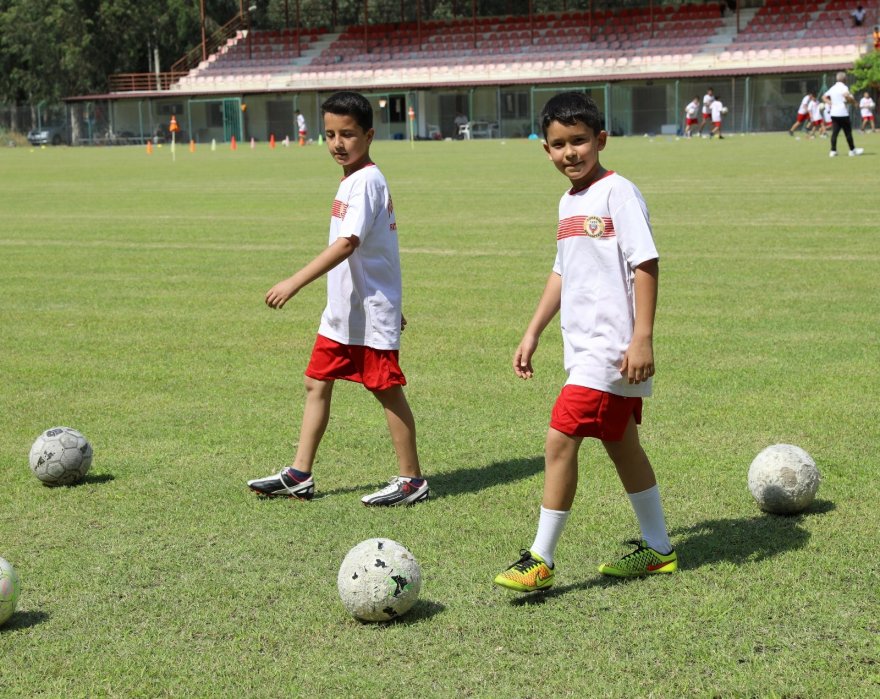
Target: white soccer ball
column 379, row 580
column 783, row 479
column 61, row 456
column 9, row 590
column 724, row 110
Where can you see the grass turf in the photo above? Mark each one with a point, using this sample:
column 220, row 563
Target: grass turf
column 131, row 294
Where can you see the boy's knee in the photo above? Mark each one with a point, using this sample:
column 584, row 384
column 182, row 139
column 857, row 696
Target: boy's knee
column 317, row 385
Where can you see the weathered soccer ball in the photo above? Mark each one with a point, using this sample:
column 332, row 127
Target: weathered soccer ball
column 724, row 110
column 61, row 456
column 9, row 590
column 379, row 580
column 783, row 479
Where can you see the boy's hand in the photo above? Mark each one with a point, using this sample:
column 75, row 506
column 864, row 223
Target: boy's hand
column 522, row 358
column 281, row 293
column 638, row 362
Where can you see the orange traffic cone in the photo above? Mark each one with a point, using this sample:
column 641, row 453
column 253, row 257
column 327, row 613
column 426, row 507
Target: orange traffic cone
column 272, row 141
column 149, row 147
column 192, row 146
column 233, row 144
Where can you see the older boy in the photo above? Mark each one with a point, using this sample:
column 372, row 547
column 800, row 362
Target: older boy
column 359, row 334
column 604, row 282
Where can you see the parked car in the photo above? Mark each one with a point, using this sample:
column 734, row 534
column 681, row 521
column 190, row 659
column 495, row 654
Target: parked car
column 55, row 135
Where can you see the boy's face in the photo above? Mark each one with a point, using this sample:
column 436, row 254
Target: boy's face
column 574, row 150
column 347, row 142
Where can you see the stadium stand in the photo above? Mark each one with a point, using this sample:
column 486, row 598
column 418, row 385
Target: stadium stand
column 629, row 42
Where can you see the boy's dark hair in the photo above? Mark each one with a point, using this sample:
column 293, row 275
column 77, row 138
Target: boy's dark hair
column 351, row 104
column 570, row 108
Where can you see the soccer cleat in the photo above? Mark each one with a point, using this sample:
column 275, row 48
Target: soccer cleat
column 832, row 154
column 528, row 574
column 399, row 491
column 283, row 484
column 856, row 151
column 643, row 561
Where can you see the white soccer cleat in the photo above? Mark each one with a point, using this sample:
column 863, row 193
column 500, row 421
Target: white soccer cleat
column 856, row 151
column 832, row 154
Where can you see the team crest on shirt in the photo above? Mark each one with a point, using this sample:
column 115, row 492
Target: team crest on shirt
column 594, row 226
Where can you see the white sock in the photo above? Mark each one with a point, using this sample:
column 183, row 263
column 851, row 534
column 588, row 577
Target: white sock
column 649, row 512
column 550, row 526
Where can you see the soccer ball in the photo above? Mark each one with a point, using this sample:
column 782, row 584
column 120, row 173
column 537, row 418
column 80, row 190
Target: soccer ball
column 379, row 580
column 61, row 456
column 724, row 110
column 9, row 590
column 783, row 479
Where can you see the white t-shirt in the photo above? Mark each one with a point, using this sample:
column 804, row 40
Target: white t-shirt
column 707, row 102
column 826, row 112
column 838, row 93
column 691, row 110
column 364, row 291
column 716, row 110
column 866, row 105
column 805, row 105
column 815, row 113
column 301, row 123
column 604, row 233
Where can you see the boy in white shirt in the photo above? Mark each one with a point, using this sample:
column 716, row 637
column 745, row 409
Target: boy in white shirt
column 690, row 115
column 359, row 335
column 708, row 98
column 866, row 108
column 718, row 109
column 604, row 284
column 803, row 113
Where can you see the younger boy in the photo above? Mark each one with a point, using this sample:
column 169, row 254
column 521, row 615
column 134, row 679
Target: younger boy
column 690, row 115
column 359, row 335
column 604, row 284
column 718, row 110
column 706, row 112
column 866, row 109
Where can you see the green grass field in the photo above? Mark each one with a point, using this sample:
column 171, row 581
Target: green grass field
column 131, row 293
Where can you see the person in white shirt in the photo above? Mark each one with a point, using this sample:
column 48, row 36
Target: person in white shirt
column 359, row 334
column 817, row 126
column 690, row 115
column 301, row 128
column 708, row 98
column 718, row 109
column 803, row 113
column 839, row 98
column 866, row 107
column 603, row 285
column 858, row 16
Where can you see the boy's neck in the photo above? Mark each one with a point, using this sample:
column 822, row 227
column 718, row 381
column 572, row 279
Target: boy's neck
column 360, row 164
column 597, row 173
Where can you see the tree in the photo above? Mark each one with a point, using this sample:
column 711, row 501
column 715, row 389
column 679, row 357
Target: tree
column 866, row 72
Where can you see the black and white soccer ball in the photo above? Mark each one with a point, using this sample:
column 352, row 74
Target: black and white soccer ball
column 783, row 479
column 61, row 456
column 9, row 590
column 379, row 580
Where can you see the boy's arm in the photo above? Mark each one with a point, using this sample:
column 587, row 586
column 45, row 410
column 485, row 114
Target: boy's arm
column 548, row 307
column 339, row 250
column 638, row 361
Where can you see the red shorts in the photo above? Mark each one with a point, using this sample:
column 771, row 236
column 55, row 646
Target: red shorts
column 817, row 123
column 376, row 369
column 802, row 118
column 870, row 117
column 716, row 123
column 690, row 122
column 586, row 412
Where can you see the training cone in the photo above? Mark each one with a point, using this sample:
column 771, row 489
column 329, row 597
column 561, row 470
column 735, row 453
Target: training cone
column 287, row 141
column 232, row 144
column 192, row 146
column 253, row 143
column 272, row 141
column 149, row 147
column 320, row 140
column 213, row 144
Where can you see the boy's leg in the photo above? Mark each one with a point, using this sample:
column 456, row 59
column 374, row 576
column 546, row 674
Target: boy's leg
column 535, row 570
column 316, row 416
column 402, row 426
column 638, row 479
column 410, row 486
column 296, row 481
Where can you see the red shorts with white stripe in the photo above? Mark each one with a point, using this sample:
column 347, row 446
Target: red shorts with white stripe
column 376, row 369
column 586, row 412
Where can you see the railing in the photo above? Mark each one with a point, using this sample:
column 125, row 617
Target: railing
column 143, row 82
column 194, row 56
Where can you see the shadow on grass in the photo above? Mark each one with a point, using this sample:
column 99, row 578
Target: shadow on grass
column 468, row 480
column 533, row 599
column 421, row 610
column 90, row 479
column 744, row 540
column 23, row 620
